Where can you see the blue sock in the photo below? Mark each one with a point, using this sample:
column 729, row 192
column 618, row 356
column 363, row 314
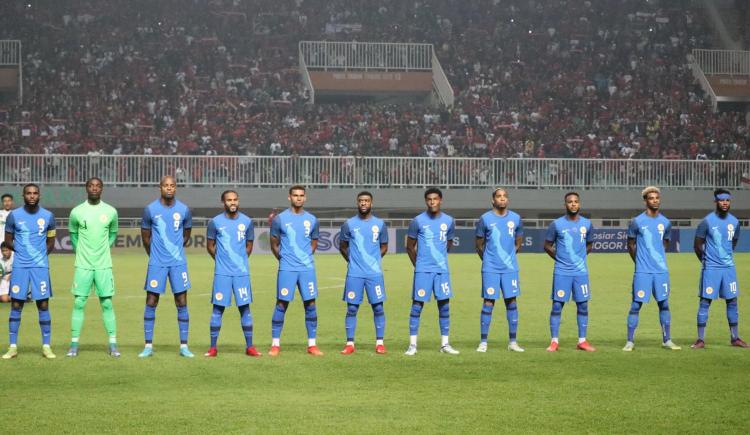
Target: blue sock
column 277, row 320
column 444, row 316
column 554, row 318
column 351, row 321
column 583, row 318
column 14, row 324
column 378, row 313
column 635, row 308
column 733, row 317
column 485, row 319
column 216, row 315
column 665, row 319
column 703, row 317
column 45, row 324
column 311, row 320
column 246, row 320
column 511, row 313
column 416, row 312
column 183, row 322
column 149, row 318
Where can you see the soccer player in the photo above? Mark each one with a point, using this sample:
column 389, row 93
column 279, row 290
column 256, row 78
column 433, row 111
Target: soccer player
column 7, row 204
column 715, row 240
column 165, row 230
column 229, row 242
column 499, row 233
column 30, row 232
column 294, row 238
column 363, row 243
column 6, row 266
column 648, row 239
column 568, row 242
column 93, row 229
column 429, row 239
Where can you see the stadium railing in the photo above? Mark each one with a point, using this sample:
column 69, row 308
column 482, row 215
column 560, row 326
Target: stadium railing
column 354, row 55
column 374, row 172
column 729, row 62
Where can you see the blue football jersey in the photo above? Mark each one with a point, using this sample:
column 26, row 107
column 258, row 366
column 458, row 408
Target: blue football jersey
column 499, row 234
column 166, row 225
column 719, row 235
column 365, row 238
column 570, row 238
column 432, row 235
column 30, row 232
column 649, row 234
column 231, row 236
column 295, row 232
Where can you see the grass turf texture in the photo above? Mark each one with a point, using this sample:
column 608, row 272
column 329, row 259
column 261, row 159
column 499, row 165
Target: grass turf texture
column 649, row 390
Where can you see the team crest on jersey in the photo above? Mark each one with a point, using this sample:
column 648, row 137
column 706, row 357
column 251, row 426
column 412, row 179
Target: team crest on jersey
column 375, row 229
column 444, row 227
column 40, row 221
column 709, row 290
column 511, row 224
column 660, row 227
column 421, row 293
column 153, row 283
column 490, row 291
column 730, row 227
column 103, row 218
column 241, row 227
column 16, row 289
column 583, row 230
column 219, row 296
column 176, row 216
column 284, row 291
column 306, row 224
column 350, row 295
column 560, row 293
column 641, row 293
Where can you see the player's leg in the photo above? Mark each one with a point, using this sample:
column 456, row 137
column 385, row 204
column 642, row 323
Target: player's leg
column 217, row 313
column 511, row 291
column 730, row 292
column 45, row 325
column 490, row 293
column 14, row 324
column 661, row 290
column 82, row 282
column 640, row 293
column 581, row 296
column 633, row 315
column 443, row 293
column 375, row 288
column 421, row 293
column 709, row 286
column 286, row 281
column 110, row 323
column 180, row 284
column 156, row 283
column 353, row 296
column 561, row 290
column 243, row 296
column 308, row 288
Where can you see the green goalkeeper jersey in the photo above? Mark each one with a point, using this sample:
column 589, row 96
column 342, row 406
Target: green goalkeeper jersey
column 93, row 228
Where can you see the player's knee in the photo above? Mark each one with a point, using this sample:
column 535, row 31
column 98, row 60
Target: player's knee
column 106, row 303
column 152, row 299
column 511, row 304
column 582, row 308
column 635, row 307
column 444, row 303
column 489, row 303
column 705, row 303
column 663, row 305
column 180, row 299
column 732, row 301
column 281, row 305
column 309, row 303
column 557, row 308
column 416, row 307
column 42, row 305
column 378, row 308
column 79, row 302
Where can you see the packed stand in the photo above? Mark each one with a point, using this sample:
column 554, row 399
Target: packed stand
column 560, row 78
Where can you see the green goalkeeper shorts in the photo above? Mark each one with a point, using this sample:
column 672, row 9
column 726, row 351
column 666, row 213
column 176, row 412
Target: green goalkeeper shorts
column 103, row 279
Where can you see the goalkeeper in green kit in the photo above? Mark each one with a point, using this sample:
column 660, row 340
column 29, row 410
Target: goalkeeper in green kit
column 93, row 229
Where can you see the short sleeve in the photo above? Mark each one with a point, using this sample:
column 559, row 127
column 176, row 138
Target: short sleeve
column 276, row 226
column 519, row 228
column 451, row 230
column 187, row 221
column 211, row 230
column 384, row 234
column 250, row 231
column 737, row 232
column 668, row 231
column 10, row 224
column 51, row 224
column 146, row 221
column 590, row 233
column 480, row 228
column 702, row 230
column 633, row 229
column 551, row 232
column 344, row 232
column 413, row 231
column 315, row 233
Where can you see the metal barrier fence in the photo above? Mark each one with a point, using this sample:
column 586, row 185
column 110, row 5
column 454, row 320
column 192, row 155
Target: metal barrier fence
column 10, row 52
column 366, row 55
column 349, row 171
column 730, row 62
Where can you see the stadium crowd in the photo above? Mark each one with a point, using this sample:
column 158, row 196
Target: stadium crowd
column 559, row 78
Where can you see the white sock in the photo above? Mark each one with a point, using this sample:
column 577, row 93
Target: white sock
column 72, row 340
column 350, row 343
column 183, row 346
column 378, row 342
column 148, row 345
column 13, row 346
column 310, row 342
column 412, row 340
column 554, row 340
column 443, row 340
column 581, row 339
column 276, row 342
column 113, row 340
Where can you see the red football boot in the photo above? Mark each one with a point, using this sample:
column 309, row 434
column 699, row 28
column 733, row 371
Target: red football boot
column 553, row 345
column 699, row 344
column 211, row 353
column 314, row 351
column 348, row 349
column 585, row 346
column 252, row 351
column 275, row 351
column 737, row 342
column 380, row 349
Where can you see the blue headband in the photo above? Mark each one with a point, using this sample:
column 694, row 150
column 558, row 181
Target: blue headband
column 723, row 197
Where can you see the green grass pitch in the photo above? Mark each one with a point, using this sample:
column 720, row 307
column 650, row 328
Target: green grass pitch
column 649, row 390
